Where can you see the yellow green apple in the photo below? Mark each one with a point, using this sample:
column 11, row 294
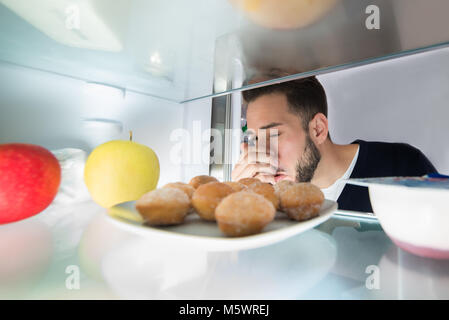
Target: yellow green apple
column 119, row 171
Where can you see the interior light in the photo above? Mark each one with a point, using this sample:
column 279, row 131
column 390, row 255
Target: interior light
column 155, row 58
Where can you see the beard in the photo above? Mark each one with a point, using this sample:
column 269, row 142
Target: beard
column 306, row 166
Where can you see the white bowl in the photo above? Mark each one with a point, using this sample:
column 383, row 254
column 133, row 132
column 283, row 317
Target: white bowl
column 416, row 219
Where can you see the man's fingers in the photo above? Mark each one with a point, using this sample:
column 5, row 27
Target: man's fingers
column 254, row 169
column 253, row 156
column 243, row 151
column 250, row 170
column 267, row 158
column 253, row 161
column 259, row 159
column 267, row 178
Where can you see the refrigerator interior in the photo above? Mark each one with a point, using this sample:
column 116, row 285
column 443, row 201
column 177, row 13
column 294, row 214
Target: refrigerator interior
column 144, row 67
column 170, row 71
column 402, row 100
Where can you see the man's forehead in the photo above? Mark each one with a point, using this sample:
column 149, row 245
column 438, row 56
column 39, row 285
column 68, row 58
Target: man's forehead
column 266, row 110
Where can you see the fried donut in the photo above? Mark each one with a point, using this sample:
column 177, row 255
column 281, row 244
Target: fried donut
column 207, row 197
column 266, row 190
column 283, row 185
column 187, row 188
column 249, row 181
column 244, row 213
column 165, row 206
column 302, row 201
column 195, row 182
column 236, row 186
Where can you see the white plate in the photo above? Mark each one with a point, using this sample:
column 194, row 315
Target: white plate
column 206, row 235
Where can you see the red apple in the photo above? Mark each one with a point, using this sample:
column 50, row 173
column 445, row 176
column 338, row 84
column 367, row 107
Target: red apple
column 29, row 180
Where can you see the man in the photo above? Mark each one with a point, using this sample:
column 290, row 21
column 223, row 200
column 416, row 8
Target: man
column 295, row 113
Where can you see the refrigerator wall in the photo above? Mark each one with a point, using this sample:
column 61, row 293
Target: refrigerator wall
column 401, row 100
column 50, row 110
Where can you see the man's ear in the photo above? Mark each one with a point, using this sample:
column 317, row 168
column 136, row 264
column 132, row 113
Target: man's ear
column 318, row 128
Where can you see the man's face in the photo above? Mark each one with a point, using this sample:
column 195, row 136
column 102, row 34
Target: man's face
column 297, row 155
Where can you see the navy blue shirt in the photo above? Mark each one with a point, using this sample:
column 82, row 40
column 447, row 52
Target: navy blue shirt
column 381, row 159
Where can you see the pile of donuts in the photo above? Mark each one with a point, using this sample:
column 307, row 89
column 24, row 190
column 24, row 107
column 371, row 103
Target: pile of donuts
column 239, row 208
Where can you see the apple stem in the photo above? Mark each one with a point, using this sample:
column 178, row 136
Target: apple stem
column 130, row 135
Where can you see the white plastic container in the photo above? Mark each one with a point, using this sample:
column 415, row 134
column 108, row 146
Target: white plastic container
column 414, row 212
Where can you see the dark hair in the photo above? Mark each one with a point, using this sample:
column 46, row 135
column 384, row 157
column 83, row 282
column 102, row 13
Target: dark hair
column 306, row 97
